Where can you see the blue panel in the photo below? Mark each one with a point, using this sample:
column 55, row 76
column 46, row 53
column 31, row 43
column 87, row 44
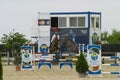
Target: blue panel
column 115, row 72
column 26, row 47
column 92, row 72
column 114, row 64
column 66, row 63
column 114, row 57
column 94, row 46
column 49, row 64
column 26, row 67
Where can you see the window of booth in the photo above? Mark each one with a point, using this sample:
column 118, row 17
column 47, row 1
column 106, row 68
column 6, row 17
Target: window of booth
column 73, row 21
column 77, row 21
column 97, row 22
column 93, row 22
column 62, row 22
column 81, row 21
column 54, row 21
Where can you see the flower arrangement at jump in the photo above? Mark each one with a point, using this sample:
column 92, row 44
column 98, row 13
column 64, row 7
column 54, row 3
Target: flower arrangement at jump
column 17, row 61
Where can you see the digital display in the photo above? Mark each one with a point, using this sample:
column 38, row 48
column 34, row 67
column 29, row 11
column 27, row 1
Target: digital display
column 43, row 22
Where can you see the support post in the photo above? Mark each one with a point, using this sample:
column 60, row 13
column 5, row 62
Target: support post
column 79, row 49
column 83, row 48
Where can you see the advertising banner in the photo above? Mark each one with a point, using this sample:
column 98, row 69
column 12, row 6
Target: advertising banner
column 40, row 57
column 94, row 59
column 68, row 38
column 43, row 32
column 27, row 57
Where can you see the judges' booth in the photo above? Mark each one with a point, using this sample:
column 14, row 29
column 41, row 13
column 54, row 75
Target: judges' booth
column 61, row 32
column 80, row 27
column 75, row 28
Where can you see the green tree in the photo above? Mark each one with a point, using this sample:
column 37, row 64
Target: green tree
column 81, row 64
column 1, row 70
column 113, row 38
column 13, row 41
column 104, row 35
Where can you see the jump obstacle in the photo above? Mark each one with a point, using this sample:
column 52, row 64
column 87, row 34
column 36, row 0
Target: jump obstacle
column 112, row 72
column 64, row 62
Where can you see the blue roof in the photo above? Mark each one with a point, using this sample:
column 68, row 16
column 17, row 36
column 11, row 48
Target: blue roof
column 62, row 13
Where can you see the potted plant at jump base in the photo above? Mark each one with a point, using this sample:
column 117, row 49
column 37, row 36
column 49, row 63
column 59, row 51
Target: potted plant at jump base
column 17, row 61
column 82, row 66
column 16, row 49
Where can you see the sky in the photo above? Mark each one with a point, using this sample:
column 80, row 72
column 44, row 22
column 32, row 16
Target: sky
column 21, row 15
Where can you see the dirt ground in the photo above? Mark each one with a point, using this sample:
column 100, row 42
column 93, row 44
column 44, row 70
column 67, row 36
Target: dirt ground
column 45, row 73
